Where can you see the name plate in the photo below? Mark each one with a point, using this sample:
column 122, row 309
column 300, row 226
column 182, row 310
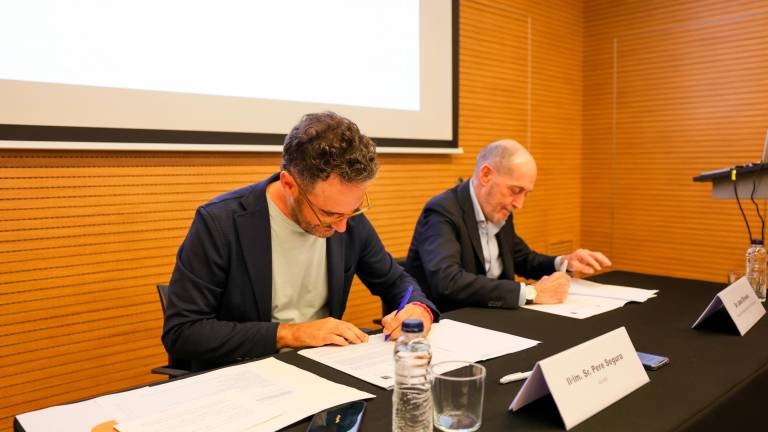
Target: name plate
column 587, row 378
column 740, row 302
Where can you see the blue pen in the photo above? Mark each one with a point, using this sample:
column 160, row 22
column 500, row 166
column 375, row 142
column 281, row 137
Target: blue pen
column 404, row 302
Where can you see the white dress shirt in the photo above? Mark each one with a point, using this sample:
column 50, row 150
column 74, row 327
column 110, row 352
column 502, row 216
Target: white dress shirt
column 491, row 255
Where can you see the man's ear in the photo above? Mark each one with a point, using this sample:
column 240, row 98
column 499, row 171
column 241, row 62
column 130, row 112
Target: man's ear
column 486, row 174
column 288, row 183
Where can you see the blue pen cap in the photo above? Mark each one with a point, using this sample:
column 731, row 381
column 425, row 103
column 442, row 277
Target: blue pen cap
column 413, row 326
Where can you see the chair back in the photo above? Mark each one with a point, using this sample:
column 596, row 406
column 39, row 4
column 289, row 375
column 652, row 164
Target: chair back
column 176, row 367
column 162, row 292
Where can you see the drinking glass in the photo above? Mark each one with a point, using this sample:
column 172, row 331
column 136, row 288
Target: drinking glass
column 457, row 395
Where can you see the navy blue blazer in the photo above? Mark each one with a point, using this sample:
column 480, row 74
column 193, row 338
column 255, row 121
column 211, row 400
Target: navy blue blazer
column 446, row 256
column 219, row 305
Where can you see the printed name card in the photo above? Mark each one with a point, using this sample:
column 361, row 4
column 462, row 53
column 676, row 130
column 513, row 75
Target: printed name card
column 740, row 302
column 587, row 378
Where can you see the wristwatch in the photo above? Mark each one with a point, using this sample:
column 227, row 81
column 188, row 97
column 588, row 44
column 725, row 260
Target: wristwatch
column 530, row 293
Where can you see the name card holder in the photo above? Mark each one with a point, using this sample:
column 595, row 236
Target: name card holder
column 740, row 302
column 587, row 378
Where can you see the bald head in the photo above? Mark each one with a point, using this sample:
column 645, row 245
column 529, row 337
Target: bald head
column 504, row 155
column 504, row 174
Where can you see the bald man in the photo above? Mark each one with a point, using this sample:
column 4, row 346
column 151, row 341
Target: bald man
column 465, row 251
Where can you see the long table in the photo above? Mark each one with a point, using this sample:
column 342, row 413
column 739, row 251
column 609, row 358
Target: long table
column 716, row 380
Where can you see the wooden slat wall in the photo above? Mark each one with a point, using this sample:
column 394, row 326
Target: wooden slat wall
column 671, row 89
column 85, row 236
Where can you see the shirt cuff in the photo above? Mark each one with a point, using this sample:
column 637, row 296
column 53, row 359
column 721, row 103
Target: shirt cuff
column 523, row 292
column 558, row 260
column 423, row 306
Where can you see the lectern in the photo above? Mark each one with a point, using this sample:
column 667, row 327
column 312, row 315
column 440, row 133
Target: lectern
column 744, row 176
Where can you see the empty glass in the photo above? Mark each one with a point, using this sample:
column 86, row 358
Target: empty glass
column 457, row 395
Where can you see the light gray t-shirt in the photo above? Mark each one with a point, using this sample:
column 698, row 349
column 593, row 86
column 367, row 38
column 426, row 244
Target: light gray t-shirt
column 299, row 271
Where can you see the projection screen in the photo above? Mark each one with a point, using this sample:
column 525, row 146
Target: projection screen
column 227, row 75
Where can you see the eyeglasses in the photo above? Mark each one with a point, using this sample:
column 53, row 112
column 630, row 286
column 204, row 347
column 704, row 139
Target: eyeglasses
column 362, row 208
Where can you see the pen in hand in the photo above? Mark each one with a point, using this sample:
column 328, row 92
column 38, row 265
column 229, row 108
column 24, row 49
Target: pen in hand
column 403, row 302
column 563, row 266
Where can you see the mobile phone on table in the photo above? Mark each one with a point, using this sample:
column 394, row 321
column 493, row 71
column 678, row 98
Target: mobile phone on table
column 342, row 418
column 652, row 361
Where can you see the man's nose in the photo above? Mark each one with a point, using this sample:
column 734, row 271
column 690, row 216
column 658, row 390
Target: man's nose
column 518, row 201
column 340, row 225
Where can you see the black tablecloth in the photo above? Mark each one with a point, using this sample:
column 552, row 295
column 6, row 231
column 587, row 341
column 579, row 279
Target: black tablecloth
column 716, row 380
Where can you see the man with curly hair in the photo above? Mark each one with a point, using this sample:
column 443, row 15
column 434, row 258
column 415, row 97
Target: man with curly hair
column 269, row 266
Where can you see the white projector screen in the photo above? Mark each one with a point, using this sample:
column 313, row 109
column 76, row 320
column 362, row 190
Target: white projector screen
column 232, row 72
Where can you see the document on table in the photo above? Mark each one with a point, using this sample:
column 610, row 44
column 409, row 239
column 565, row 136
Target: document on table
column 579, row 306
column 266, row 395
column 594, row 289
column 587, row 298
column 230, row 411
column 449, row 339
column 77, row 417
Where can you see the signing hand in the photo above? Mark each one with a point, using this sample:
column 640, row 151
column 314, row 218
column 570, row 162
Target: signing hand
column 553, row 288
column 587, row 261
column 327, row 331
column 393, row 321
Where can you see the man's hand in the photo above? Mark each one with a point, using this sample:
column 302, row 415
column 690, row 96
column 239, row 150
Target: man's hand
column 552, row 289
column 586, row 261
column 393, row 321
column 327, row 331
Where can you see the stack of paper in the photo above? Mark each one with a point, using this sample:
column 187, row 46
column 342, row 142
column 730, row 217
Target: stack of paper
column 450, row 340
column 261, row 396
column 587, row 298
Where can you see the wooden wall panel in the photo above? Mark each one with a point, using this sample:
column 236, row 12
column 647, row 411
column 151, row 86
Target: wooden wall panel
column 551, row 220
column 672, row 89
column 85, row 236
column 494, row 103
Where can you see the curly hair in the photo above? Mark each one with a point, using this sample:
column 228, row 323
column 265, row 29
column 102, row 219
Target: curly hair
column 326, row 143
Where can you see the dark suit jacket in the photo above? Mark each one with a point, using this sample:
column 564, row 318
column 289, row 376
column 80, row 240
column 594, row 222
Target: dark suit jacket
column 446, row 256
column 220, row 297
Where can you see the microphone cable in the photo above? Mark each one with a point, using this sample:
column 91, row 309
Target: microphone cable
column 736, row 194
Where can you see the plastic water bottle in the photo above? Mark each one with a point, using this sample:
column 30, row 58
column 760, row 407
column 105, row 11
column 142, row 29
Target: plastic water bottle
column 411, row 400
column 756, row 261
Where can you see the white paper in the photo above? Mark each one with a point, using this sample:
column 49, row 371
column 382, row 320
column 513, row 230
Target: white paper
column 227, row 412
column 594, row 289
column 742, row 305
column 364, row 361
column 579, row 306
column 449, row 340
column 77, row 417
column 586, row 378
column 289, row 391
column 587, row 298
column 478, row 343
column 249, row 378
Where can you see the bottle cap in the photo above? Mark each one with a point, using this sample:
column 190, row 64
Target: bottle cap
column 757, row 242
column 413, row 326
